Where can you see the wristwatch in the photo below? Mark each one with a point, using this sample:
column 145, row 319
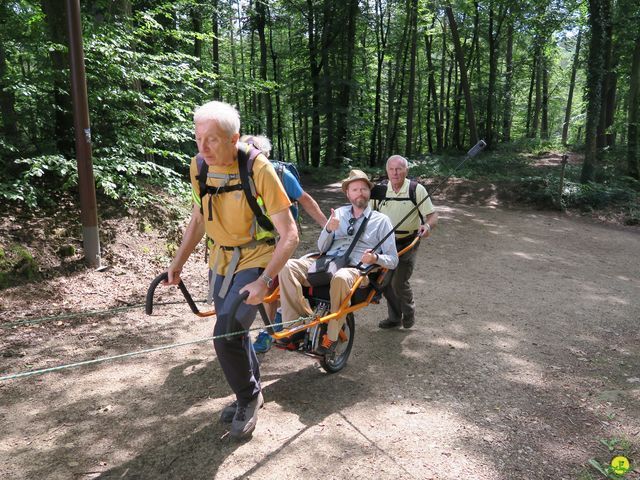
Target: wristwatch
column 267, row 280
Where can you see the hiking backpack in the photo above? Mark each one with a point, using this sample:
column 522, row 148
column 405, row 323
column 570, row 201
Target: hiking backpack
column 247, row 154
column 379, row 194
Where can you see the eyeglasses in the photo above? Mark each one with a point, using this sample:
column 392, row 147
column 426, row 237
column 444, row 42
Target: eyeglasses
column 351, row 229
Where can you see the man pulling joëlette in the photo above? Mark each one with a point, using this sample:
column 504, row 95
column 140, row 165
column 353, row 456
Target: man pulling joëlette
column 243, row 256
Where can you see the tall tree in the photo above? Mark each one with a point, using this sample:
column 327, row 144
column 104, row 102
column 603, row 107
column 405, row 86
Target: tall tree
column 215, row 48
column 432, row 94
column 494, row 39
column 315, row 84
column 382, row 24
column 473, row 130
column 633, row 115
column 260, row 21
column 413, row 41
column 344, row 90
column 508, row 86
column 599, row 16
column 56, row 22
column 572, row 84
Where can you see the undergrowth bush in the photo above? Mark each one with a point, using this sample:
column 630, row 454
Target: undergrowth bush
column 118, row 177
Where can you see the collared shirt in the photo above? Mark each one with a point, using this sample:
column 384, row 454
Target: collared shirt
column 396, row 210
column 337, row 243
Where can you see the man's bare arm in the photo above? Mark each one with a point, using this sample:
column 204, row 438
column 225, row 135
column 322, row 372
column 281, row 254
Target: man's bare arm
column 313, row 209
column 192, row 235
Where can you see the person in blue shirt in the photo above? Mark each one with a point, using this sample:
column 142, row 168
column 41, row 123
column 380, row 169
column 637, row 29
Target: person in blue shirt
column 296, row 194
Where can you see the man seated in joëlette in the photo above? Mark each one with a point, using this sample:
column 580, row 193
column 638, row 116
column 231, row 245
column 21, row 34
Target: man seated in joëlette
column 335, row 239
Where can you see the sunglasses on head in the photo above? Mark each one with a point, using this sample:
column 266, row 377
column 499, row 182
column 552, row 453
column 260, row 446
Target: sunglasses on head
column 351, row 228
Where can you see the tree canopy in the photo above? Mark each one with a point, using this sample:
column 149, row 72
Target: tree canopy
column 331, row 82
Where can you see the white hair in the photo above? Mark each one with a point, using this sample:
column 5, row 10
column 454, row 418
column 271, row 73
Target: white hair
column 398, row 157
column 224, row 114
column 261, row 142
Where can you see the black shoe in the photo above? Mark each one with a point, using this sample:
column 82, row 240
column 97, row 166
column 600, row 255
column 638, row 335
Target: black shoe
column 229, row 412
column 246, row 417
column 386, row 323
column 407, row 322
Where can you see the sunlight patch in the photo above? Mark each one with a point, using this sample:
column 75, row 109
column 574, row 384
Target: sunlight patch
column 518, row 370
column 449, row 342
column 523, row 255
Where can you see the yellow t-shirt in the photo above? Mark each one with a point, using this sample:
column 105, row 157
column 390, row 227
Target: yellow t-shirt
column 233, row 217
column 396, row 210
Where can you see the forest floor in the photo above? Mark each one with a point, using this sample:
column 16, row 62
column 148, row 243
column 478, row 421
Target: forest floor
column 523, row 363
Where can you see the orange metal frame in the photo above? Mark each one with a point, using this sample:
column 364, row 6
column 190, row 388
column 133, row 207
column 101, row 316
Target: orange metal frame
column 345, row 307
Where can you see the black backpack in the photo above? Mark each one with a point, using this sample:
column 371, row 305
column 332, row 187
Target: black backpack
column 379, row 194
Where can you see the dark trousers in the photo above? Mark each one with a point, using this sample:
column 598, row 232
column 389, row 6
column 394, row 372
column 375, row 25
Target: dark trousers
column 398, row 293
column 235, row 354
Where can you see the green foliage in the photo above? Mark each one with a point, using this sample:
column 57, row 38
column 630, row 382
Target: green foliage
column 116, row 176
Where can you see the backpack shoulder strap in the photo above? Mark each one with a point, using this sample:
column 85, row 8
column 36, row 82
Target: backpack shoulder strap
column 246, row 159
column 203, row 169
column 413, row 186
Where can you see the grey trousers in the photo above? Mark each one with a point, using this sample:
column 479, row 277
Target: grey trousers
column 236, row 356
column 398, row 293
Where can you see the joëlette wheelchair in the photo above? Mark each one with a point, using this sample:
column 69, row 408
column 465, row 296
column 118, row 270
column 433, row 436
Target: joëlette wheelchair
column 305, row 334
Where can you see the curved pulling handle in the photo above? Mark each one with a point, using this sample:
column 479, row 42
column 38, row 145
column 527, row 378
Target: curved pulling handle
column 152, row 288
column 231, row 324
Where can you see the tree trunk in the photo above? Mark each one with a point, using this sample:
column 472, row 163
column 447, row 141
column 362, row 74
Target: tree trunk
column 215, row 50
column 534, row 68
column 463, row 76
column 508, row 86
column 607, row 99
column 572, row 84
column 537, row 104
column 279, row 143
column 599, row 16
column 265, row 94
column 494, row 39
column 56, row 21
column 7, row 101
column 633, row 167
column 428, row 39
column 393, row 103
column 413, row 39
column 328, row 105
column 344, row 92
column 315, row 87
column 196, row 21
column 382, row 31
column 544, row 124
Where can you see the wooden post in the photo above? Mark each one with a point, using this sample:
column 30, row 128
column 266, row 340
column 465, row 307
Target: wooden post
column 86, row 184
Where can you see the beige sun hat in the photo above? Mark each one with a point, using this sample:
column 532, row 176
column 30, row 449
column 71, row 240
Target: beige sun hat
column 353, row 176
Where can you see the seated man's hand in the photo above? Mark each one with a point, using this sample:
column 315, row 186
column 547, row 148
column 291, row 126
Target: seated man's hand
column 369, row 257
column 334, row 222
column 257, row 291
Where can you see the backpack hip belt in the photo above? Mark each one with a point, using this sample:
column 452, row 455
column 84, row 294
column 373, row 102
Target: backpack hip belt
column 233, row 264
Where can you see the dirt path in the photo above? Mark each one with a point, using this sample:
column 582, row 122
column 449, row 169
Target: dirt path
column 523, row 357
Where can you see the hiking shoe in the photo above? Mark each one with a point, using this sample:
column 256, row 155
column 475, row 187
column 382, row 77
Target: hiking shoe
column 229, row 412
column 263, row 342
column 386, row 323
column 407, row 322
column 326, row 347
column 246, row 417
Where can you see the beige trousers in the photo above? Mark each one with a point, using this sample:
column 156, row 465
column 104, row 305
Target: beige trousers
column 294, row 275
